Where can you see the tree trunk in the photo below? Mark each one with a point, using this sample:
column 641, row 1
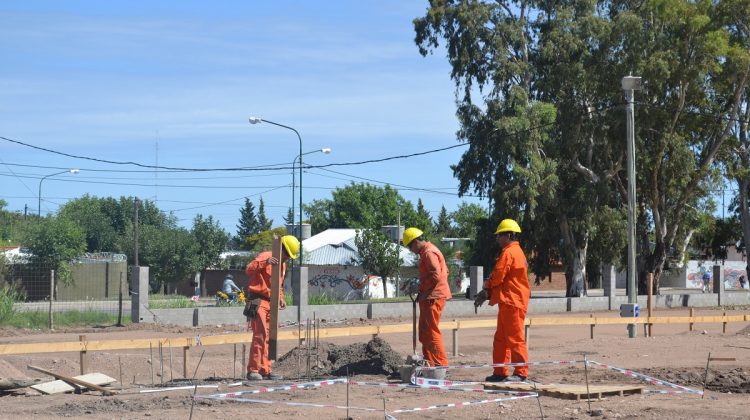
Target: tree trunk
column 384, row 280
column 574, row 257
column 744, row 186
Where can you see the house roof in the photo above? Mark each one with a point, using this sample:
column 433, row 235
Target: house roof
column 337, row 247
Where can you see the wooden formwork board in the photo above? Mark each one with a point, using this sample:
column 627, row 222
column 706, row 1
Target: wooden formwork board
column 569, row 391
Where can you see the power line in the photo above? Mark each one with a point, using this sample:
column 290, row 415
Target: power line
column 276, row 167
column 130, row 184
column 402, row 187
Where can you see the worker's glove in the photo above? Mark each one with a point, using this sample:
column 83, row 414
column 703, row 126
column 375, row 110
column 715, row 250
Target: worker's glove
column 480, row 299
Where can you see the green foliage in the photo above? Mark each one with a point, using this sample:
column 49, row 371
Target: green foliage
column 322, row 299
column 11, row 225
column 443, row 226
column 39, row 319
column 263, row 240
column 423, row 219
column 9, row 295
column 54, row 242
column 377, row 255
column 289, row 218
column 538, row 95
column 248, row 223
column 171, row 253
column 170, row 302
column 465, row 219
column 361, row 206
column 94, row 216
column 264, row 223
column 210, row 239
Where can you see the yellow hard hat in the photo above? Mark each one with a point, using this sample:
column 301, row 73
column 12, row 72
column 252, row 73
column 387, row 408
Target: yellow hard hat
column 508, row 225
column 410, row 234
column 291, row 244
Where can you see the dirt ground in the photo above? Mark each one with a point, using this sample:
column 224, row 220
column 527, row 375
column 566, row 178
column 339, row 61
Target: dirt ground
column 674, row 354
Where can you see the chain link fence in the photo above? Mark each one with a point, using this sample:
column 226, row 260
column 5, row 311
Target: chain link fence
column 94, row 290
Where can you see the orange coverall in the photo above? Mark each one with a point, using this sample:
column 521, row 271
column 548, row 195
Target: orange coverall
column 259, row 274
column 433, row 291
column 509, row 286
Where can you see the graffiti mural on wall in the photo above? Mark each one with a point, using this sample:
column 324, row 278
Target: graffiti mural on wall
column 346, row 282
column 700, row 275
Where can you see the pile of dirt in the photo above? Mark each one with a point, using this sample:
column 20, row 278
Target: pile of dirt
column 375, row 357
column 736, row 381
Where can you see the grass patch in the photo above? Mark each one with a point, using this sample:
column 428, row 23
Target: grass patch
column 39, row 319
column 9, row 295
column 170, row 302
column 323, row 299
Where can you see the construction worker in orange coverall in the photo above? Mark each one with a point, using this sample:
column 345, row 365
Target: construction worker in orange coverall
column 508, row 286
column 258, row 309
column 433, row 292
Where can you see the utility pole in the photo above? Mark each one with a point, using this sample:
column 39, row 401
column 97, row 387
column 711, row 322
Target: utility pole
column 135, row 231
column 629, row 85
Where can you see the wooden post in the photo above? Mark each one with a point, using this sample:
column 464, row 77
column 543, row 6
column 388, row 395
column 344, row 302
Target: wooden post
column 724, row 324
column 592, row 326
column 185, row 361
column 82, row 338
column 275, row 282
column 50, row 320
column 119, row 301
column 455, row 339
column 650, row 301
column 244, row 363
column 692, row 314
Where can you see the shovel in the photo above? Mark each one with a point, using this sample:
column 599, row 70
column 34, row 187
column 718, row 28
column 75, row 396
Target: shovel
column 413, row 322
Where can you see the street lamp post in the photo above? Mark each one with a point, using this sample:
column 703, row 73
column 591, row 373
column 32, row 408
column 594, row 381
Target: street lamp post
column 326, row 150
column 39, row 207
column 258, row 120
column 629, row 85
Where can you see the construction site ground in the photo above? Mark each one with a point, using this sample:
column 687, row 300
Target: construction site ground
column 673, row 354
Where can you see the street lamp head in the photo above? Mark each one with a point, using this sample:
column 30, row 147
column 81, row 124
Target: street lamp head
column 74, row 171
column 255, row 120
column 326, row 150
column 631, row 83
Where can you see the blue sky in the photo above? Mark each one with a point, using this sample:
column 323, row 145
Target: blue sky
column 173, row 83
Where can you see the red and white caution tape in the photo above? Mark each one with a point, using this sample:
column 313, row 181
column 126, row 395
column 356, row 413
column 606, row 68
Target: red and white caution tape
column 435, row 387
column 237, row 396
column 289, row 403
column 493, row 365
column 290, row 387
column 424, row 382
column 466, row 403
column 646, row 378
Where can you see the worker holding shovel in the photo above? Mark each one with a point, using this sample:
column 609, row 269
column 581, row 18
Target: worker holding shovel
column 433, row 292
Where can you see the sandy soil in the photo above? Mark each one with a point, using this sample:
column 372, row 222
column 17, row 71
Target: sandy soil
column 673, row 354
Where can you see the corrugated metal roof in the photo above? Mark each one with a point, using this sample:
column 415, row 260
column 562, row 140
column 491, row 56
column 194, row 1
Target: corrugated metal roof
column 338, row 248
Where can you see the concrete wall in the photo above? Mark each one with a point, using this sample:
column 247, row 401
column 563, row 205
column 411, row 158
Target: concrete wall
column 453, row 309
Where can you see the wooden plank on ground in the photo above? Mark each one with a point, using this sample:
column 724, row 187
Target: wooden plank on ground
column 77, row 346
column 73, row 380
column 60, row 386
column 569, row 391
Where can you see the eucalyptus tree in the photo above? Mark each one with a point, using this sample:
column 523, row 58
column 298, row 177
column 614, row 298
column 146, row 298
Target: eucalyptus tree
column 499, row 52
column 538, row 95
column 736, row 156
column 694, row 73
